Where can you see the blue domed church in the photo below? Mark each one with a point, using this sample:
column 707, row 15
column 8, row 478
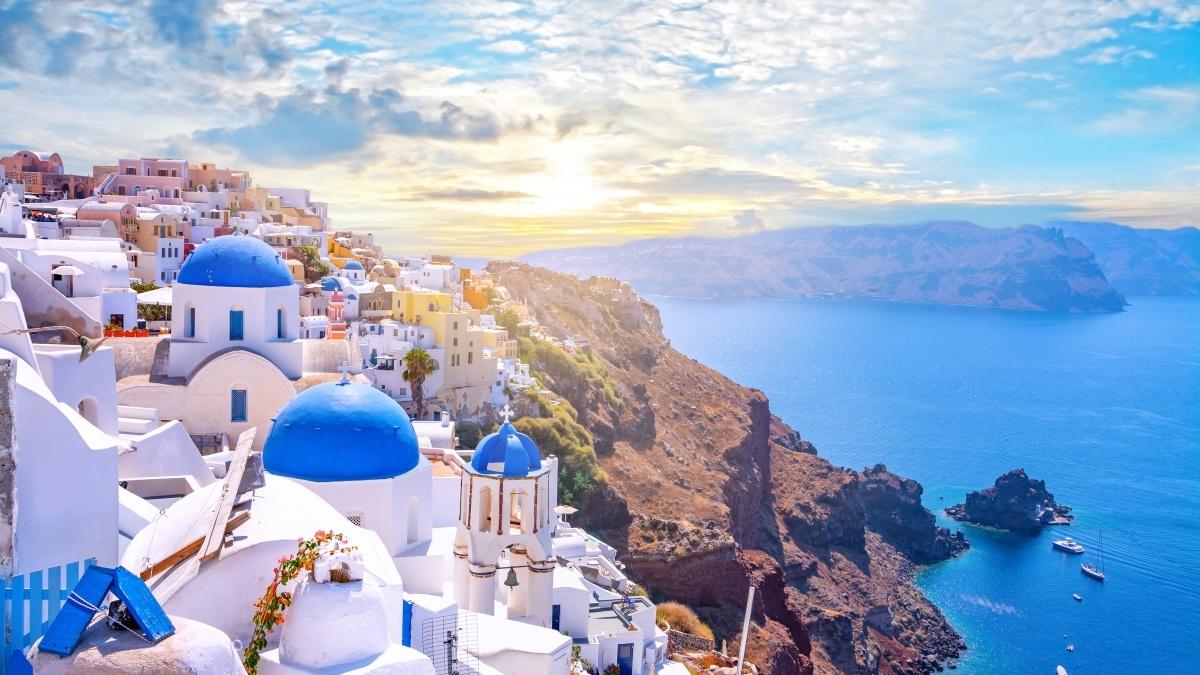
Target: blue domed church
column 355, row 448
column 235, row 292
column 233, row 352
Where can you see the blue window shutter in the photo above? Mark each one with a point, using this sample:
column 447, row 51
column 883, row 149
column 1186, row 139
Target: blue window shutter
column 238, row 404
column 235, row 324
column 279, row 328
column 191, row 322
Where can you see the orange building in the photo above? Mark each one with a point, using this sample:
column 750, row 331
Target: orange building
column 44, row 175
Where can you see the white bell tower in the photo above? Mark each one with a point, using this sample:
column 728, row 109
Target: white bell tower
column 506, row 504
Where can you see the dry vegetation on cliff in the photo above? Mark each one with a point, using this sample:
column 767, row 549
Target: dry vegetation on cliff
column 708, row 492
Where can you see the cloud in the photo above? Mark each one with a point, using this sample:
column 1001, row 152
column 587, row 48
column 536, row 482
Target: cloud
column 1152, row 109
column 64, row 52
column 568, row 122
column 470, row 195
column 748, row 221
column 185, row 24
column 1115, row 53
column 717, row 181
column 509, row 47
column 314, row 125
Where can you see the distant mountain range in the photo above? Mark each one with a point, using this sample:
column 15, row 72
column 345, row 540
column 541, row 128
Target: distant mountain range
column 1141, row 261
column 946, row 262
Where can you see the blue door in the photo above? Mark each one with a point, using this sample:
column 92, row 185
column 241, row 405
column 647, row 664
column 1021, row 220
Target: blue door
column 191, row 323
column 235, row 324
column 625, row 658
column 280, row 331
column 555, row 615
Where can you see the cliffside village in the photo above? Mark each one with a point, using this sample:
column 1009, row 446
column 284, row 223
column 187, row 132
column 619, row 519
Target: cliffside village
column 197, row 372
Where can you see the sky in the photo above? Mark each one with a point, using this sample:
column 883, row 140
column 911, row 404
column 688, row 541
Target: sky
column 495, row 128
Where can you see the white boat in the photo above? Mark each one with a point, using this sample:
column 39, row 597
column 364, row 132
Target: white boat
column 1062, row 671
column 1068, row 545
column 1077, row 596
column 1095, row 571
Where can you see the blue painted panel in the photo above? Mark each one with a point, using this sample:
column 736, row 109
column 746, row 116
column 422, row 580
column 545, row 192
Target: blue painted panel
column 67, row 629
column 17, row 598
column 54, row 595
column 137, row 598
column 238, row 406
column 35, row 607
column 236, row 324
column 17, row 664
column 406, row 631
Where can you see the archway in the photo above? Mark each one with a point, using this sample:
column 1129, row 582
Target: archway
column 89, row 409
column 414, row 517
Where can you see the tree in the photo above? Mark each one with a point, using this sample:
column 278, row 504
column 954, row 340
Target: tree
column 509, row 321
column 418, row 365
column 314, row 267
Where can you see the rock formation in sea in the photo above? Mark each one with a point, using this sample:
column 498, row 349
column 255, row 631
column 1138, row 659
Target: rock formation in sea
column 1016, row 502
column 707, row 492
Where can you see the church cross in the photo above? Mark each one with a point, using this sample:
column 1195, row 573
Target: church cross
column 345, row 368
column 506, row 413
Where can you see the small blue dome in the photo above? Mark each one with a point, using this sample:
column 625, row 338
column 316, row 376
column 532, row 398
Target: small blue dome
column 507, row 452
column 341, row 431
column 330, row 284
column 235, row 261
column 353, row 265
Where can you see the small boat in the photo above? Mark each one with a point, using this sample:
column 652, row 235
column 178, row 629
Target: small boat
column 1068, row 545
column 1093, row 570
column 1071, row 648
column 1078, row 597
column 1062, row 671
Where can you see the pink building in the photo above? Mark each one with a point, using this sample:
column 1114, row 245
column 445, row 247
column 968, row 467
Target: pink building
column 167, row 177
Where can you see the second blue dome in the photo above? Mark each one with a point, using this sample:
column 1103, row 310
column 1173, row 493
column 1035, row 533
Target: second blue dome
column 341, row 431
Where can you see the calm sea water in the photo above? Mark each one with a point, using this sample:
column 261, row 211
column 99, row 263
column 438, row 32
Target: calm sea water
column 1105, row 408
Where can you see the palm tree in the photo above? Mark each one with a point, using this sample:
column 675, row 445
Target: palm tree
column 418, row 364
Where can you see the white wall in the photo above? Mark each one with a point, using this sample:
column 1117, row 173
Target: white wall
column 66, row 477
column 384, row 504
column 211, row 335
column 89, row 387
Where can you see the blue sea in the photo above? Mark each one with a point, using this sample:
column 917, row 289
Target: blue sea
column 1104, row 408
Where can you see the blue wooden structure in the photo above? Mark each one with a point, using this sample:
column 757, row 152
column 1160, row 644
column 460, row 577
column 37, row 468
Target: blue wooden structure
column 30, row 602
column 86, row 599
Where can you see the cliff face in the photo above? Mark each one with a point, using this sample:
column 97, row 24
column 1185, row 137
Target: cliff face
column 708, row 492
column 945, row 262
column 1143, row 261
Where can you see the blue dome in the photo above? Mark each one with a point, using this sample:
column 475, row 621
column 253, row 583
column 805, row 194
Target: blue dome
column 353, row 265
column 507, row 452
column 330, row 284
column 341, row 431
column 237, row 261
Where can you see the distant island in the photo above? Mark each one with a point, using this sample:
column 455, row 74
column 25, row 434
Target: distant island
column 944, row 262
column 1142, row 260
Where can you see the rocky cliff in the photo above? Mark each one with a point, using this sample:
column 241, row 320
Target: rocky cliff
column 706, row 492
column 1016, row 502
column 944, row 262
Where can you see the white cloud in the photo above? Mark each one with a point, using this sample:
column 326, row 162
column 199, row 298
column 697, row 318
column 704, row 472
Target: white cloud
column 512, row 47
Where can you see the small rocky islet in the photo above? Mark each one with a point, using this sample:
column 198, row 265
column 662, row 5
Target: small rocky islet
column 1016, row 503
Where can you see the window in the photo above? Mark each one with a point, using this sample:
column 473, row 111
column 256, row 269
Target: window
column 470, row 358
column 455, row 342
column 280, row 328
column 189, row 329
column 235, row 324
column 237, row 412
column 555, row 616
